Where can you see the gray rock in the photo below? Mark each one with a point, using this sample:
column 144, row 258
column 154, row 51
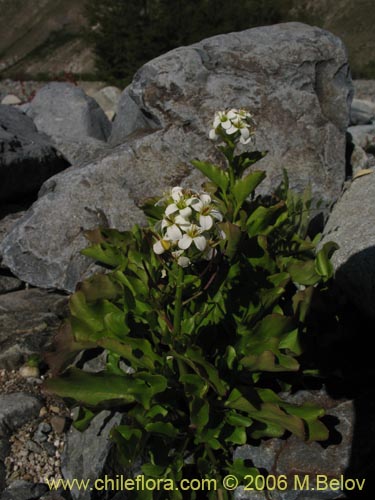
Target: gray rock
column 351, row 226
column 15, row 410
column 23, row 490
column 85, row 453
column 64, row 111
column 130, row 118
column 28, row 158
column 94, row 195
column 294, row 78
column 41, row 434
column 363, row 135
column 108, row 98
column 362, row 112
column 296, row 457
column 28, row 321
column 7, row 222
column 359, row 159
column 81, row 152
column 9, row 284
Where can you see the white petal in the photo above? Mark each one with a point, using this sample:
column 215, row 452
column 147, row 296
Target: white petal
column 197, row 204
column 227, row 124
column 177, row 193
column 183, row 261
column 158, row 248
column 182, row 222
column 213, row 135
column 200, row 242
column 171, row 209
column 218, row 215
column 231, row 130
column 217, row 121
column 232, row 114
column 205, row 198
column 164, row 223
column 185, row 242
column 245, row 134
column 174, row 233
column 185, row 212
column 205, row 222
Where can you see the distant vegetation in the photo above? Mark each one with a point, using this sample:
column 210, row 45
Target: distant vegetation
column 126, row 34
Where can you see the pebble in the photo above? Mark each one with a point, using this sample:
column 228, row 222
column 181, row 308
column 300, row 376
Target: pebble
column 54, row 409
column 58, row 424
column 29, row 371
column 43, row 412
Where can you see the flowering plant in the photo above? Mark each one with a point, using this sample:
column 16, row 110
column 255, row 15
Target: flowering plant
column 202, row 319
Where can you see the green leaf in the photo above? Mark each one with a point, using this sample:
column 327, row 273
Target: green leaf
column 323, row 265
column 100, row 286
column 214, row 173
column 304, row 273
column 83, row 419
column 93, row 389
column 232, row 238
column 194, row 357
column 165, row 429
column 244, row 187
column 263, row 220
column 238, row 436
column 199, row 412
column 153, row 470
column 129, row 442
column 138, row 352
column 246, row 159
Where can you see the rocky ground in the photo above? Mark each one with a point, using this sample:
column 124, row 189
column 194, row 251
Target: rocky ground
column 113, row 150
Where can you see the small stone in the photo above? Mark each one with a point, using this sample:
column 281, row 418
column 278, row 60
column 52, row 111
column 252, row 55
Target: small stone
column 29, row 371
column 40, row 435
column 49, row 448
column 55, row 409
column 33, row 446
column 43, row 412
column 11, row 100
column 58, row 424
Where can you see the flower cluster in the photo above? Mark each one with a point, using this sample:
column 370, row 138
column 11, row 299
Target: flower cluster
column 189, row 228
column 236, row 123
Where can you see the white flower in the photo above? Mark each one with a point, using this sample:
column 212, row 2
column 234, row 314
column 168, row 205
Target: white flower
column 182, row 260
column 174, row 225
column 236, row 122
column 161, row 246
column 193, row 234
column 221, row 118
column 203, row 205
column 213, row 135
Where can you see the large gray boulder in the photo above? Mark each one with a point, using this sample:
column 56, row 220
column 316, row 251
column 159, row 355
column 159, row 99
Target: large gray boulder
column 351, row 226
column 27, row 158
column 75, row 121
column 293, row 77
column 292, row 457
column 85, row 453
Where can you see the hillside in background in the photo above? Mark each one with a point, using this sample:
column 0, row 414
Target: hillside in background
column 352, row 20
column 42, row 39
column 39, row 38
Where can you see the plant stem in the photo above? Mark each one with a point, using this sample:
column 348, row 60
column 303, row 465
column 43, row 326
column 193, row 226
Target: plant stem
column 211, row 456
column 178, row 303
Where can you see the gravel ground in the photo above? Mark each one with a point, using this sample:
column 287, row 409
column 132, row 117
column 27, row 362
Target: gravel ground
column 36, row 447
